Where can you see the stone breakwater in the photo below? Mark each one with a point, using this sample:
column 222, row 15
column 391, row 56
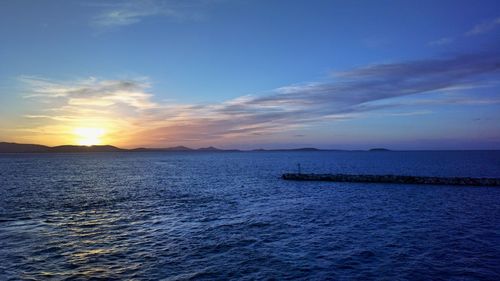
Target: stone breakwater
column 393, row 179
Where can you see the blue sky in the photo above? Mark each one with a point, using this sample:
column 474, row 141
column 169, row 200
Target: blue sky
column 248, row 74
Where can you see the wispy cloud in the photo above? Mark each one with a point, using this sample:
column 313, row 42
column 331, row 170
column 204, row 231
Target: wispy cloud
column 128, row 105
column 481, row 28
column 93, row 92
column 441, row 41
column 484, row 27
column 128, row 12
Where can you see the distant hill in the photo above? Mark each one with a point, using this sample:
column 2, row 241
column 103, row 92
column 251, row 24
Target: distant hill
column 6, row 147
column 210, row 148
column 302, row 149
column 291, row 149
column 180, row 148
column 379, row 149
column 94, row 148
column 177, row 148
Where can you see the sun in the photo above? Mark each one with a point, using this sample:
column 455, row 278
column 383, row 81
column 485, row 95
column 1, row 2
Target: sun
column 88, row 136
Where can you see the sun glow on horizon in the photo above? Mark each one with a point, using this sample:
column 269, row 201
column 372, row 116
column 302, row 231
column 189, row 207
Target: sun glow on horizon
column 89, row 136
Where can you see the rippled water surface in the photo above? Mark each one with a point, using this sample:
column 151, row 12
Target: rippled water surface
column 189, row 216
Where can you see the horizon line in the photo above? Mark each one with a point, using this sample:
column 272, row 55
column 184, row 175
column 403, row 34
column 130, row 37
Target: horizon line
column 183, row 148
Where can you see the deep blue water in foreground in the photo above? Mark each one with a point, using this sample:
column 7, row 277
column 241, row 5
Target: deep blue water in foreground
column 190, row 216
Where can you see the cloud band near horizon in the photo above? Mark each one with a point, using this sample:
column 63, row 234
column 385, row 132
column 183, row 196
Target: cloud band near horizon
column 132, row 116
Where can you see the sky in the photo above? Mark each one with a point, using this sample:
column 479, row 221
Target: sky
column 246, row 74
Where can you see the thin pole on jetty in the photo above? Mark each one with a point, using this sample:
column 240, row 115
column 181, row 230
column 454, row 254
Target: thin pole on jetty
column 298, row 169
column 393, row 179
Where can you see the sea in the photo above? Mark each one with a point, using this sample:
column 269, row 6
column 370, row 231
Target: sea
column 229, row 216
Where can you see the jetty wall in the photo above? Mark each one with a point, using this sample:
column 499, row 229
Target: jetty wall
column 393, row 179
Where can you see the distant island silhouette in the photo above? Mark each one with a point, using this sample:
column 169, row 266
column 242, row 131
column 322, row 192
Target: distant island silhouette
column 9, row 147
column 379, row 149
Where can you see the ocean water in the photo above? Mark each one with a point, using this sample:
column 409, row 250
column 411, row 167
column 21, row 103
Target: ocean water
column 220, row 216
